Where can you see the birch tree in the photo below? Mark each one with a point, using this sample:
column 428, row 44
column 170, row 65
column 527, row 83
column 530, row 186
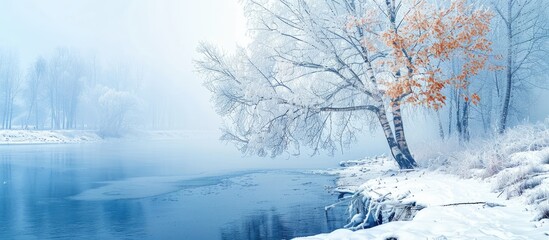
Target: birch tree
column 526, row 32
column 319, row 72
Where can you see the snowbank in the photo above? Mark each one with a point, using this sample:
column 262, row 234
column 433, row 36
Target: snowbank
column 498, row 189
column 501, row 218
column 8, row 137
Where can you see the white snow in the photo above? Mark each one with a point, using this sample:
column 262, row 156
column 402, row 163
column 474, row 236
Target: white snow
column 12, row 137
column 46, row 136
column 515, row 191
column 433, row 189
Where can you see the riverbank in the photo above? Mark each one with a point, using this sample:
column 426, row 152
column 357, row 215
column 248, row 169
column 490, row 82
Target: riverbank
column 498, row 189
column 456, row 208
column 14, row 137
column 17, row 137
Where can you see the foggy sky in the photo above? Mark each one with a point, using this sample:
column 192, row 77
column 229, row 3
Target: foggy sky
column 160, row 35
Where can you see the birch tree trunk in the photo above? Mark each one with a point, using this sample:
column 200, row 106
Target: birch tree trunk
column 405, row 161
column 399, row 130
column 507, row 99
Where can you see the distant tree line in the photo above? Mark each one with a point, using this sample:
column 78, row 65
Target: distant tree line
column 70, row 91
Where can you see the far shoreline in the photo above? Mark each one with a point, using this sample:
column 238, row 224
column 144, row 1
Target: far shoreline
column 13, row 137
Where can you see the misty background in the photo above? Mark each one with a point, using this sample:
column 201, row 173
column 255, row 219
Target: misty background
column 143, row 48
column 129, row 65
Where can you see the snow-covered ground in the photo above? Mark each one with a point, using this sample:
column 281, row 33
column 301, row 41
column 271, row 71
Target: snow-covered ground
column 497, row 189
column 11, row 137
column 46, row 136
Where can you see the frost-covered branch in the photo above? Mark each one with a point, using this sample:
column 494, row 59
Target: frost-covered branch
column 318, row 72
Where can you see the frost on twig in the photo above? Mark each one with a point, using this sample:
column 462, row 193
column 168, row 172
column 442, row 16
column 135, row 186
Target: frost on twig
column 484, row 204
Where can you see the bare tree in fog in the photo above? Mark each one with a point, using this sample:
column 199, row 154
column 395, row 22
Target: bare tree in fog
column 10, row 87
column 114, row 107
column 65, row 76
column 526, row 32
column 35, row 83
column 516, row 66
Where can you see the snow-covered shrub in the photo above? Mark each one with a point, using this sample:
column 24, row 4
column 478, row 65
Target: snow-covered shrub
column 486, row 158
column 515, row 162
column 515, row 181
column 513, row 176
column 494, row 161
column 530, row 184
column 538, row 196
column 114, row 106
column 435, row 154
column 543, row 213
column 524, row 138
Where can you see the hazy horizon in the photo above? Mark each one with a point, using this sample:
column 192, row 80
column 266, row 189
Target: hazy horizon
column 160, row 38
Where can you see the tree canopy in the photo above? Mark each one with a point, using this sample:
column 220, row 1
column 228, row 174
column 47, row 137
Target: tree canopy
column 319, row 72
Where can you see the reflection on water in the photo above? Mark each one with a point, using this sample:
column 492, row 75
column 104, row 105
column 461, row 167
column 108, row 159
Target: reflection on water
column 37, row 183
column 34, row 206
column 263, row 225
column 272, row 224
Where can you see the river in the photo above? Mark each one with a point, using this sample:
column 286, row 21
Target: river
column 193, row 188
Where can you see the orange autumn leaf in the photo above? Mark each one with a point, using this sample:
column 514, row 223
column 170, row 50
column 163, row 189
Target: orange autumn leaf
column 431, row 36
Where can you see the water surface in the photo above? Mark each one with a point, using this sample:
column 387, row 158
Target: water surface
column 172, row 189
